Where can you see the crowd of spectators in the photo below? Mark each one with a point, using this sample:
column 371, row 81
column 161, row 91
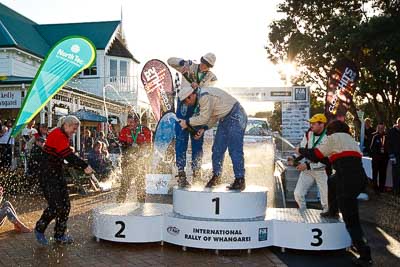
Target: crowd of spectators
column 382, row 144
column 101, row 151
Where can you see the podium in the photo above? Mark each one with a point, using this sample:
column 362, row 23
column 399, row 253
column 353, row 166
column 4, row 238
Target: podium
column 130, row 222
column 219, row 219
column 219, row 203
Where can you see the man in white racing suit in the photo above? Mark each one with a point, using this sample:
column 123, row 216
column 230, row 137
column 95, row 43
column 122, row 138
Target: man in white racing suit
column 310, row 171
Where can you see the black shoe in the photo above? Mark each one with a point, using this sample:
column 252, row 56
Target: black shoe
column 238, row 184
column 214, row 181
column 364, row 262
column 329, row 214
column 182, row 181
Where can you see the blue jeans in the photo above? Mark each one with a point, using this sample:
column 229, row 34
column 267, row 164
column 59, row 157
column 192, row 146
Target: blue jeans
column 7, row 210
column 230, row 134
column 182, row 138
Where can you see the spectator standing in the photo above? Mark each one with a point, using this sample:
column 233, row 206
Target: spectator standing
column 102, row 138
column 6, row 144
column 36, row 154
column 394, row 155
column 380, row 158
column 113, row 144
column 87, row 143
column 135, row 142
column 27, row 133
column 368, row 133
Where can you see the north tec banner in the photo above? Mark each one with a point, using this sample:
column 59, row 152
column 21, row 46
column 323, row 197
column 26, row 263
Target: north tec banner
column 67, row 58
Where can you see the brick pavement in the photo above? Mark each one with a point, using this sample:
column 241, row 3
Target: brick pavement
column 22, row 250
column 380, row 216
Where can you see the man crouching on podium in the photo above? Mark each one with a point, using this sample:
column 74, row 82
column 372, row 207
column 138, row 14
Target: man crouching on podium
column 215, row 105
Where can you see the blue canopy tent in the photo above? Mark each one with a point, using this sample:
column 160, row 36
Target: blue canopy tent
column 87, row 115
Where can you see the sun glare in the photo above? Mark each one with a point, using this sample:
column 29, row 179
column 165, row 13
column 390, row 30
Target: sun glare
column 287, row 70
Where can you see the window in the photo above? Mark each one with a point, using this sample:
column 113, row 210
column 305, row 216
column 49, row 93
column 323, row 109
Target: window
column 113, row 68
column 123, row 68
column 91, row 71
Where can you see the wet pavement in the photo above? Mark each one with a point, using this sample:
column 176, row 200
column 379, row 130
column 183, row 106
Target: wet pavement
column 380, row 217
column 22, row 249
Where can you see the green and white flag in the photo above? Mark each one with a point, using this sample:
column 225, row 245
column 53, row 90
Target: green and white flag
column 67, row 58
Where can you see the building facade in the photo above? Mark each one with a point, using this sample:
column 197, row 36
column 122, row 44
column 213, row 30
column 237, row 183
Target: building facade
column 106, row 88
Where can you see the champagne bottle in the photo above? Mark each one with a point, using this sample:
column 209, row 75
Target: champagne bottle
column 296, row 160
column 190, row 129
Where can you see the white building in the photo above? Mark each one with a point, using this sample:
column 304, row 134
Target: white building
column 114, row 75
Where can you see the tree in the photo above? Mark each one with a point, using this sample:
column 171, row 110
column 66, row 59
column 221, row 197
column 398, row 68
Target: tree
column 276, row 117
column 316, row 106
column 263, row 114
column 379, row 59
column 314, row 34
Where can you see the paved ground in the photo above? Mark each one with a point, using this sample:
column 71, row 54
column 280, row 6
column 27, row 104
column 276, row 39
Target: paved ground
column 22, row 250
column 380, row 215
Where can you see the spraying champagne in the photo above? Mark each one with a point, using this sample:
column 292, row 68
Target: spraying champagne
column 189, row 128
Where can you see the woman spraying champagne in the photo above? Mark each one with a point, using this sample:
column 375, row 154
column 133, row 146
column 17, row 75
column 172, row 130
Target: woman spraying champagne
column 57, row 149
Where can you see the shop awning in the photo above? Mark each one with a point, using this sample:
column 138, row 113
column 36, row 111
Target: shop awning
column 87, row 115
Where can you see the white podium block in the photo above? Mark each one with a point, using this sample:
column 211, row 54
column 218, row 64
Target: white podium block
column 217, row 234
column 286, row 228
column 130, row 222
column 220, row 203
column 307, row 230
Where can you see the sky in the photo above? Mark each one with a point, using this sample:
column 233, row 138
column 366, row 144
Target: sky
column 235, row 31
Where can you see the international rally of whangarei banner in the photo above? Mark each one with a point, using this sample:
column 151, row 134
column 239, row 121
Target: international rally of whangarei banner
column 67, row 58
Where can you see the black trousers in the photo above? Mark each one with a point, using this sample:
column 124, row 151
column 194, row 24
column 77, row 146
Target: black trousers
column 56, row 193
column 348, row 206
column 379, row 166
column 5, row 155
column 332, row 203
column 396, row 176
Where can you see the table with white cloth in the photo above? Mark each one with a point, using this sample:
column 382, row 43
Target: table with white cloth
column 367, row 163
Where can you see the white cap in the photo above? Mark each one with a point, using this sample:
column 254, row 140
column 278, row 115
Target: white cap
column 185, row 92
column 209, row 58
